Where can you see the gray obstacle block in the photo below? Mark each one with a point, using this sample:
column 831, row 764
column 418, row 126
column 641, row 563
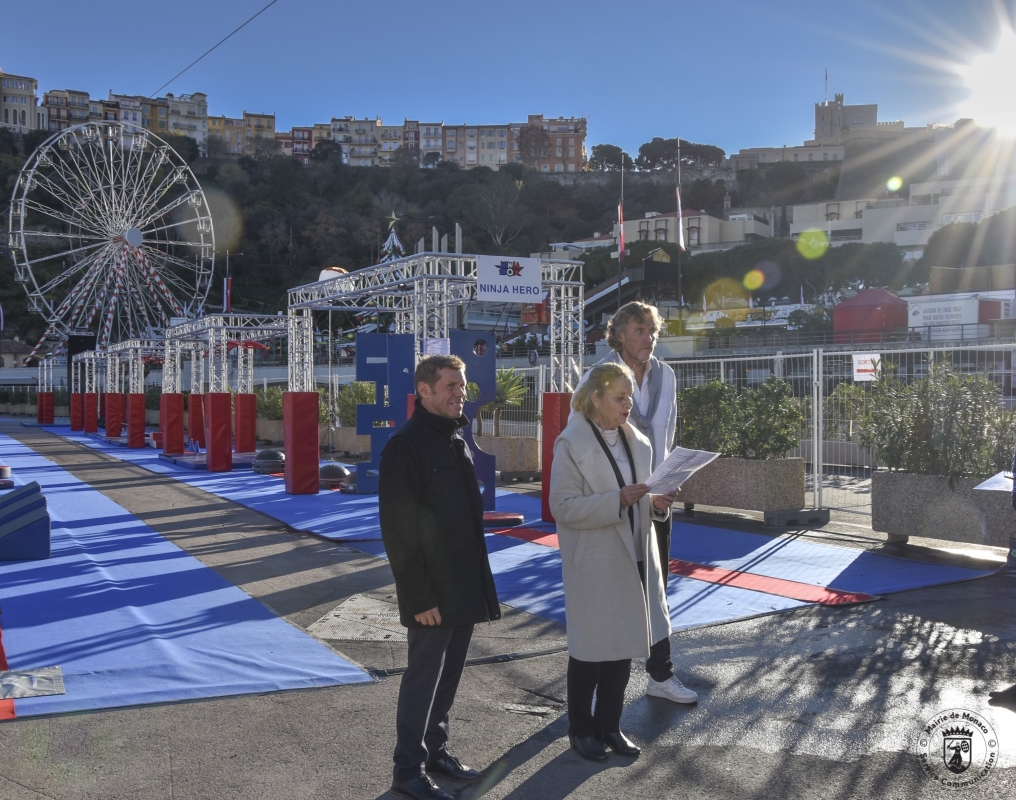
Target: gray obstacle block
column 24, row 525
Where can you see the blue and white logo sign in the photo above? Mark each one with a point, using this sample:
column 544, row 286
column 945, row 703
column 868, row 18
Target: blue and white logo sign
column 508, row 280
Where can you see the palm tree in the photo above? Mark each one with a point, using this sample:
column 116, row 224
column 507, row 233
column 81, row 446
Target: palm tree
column 509, row 391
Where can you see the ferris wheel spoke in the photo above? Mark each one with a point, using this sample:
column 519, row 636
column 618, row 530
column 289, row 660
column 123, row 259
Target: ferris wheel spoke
column 74, row 222
column 71, row 181
column 179, row 262
column 169, row 225
column 65, row 253
column 171, row 206
column 78, row 236
column 69, row 200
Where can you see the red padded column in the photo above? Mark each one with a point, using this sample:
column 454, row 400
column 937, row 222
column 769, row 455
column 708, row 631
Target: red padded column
column 114, row 415
column 218, row 431
column 245, row 415
column 196, row 418
column 44, row 403
column 77, row 412
column 300, row 426
column 135, row 420
column 171, row 423
column 556, row 408
column 90, row 408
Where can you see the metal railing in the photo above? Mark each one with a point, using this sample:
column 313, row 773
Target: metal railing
column 833, row 404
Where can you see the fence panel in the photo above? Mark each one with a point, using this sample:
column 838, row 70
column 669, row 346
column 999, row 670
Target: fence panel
column 839, row 468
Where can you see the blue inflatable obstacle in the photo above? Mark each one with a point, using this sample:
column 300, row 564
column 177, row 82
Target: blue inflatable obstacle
column 24, row 524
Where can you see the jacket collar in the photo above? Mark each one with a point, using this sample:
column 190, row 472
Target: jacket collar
column 443, row 425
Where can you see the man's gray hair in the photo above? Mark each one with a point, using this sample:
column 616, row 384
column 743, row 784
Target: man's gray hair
column 636, row 311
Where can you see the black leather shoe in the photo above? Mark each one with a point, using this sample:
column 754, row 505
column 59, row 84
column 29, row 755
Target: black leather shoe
column 419, row 788
column 450, row 767
column 620, row 744
column 589, row 747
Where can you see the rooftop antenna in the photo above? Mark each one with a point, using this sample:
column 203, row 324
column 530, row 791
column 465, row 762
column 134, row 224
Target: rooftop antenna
column 827, row 85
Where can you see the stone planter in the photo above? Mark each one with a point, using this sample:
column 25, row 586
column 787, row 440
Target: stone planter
column 345, row 440
column 773, row 485
column 904, row 505
column 513, row 453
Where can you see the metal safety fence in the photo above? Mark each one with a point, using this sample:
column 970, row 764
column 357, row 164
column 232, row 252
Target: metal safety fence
column 833, row 398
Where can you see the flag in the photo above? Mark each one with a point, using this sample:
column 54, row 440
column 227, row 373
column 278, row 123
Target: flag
column 802, row 295
column 620, row 228
column 680, row 224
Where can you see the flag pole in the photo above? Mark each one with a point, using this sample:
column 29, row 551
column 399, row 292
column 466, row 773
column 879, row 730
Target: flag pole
column 620, row 235
column 680, row 248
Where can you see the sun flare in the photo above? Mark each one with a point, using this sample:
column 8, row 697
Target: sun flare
column 988, row 78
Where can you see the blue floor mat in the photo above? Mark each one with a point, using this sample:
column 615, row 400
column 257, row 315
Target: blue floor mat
column 131, row 618
column 528, row 577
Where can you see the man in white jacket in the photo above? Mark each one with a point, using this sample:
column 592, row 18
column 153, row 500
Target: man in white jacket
column 632, row 335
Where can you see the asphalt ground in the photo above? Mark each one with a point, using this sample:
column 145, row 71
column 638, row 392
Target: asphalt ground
column 815, row 703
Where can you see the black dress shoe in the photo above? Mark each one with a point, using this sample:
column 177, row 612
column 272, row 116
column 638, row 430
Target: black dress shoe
column 419, row 788
column 589, row 747
column 450, row 767
column 620, row 744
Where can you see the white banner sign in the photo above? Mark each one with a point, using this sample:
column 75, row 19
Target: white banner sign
column 866, row 366
column 508, row 280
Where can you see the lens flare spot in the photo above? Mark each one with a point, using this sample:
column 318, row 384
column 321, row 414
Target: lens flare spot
column 812, row 243
column 894, row 184
column 753, row 280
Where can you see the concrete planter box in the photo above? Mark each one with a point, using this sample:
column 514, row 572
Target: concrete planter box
column 270, row 431
column 344, row 440
column 904, row 505
column 513, row 453
column 773, row 485
column 839, row 454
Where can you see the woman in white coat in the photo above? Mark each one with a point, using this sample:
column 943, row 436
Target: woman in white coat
column 615, row 602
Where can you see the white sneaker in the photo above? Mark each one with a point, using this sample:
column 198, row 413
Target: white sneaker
column 672, row 690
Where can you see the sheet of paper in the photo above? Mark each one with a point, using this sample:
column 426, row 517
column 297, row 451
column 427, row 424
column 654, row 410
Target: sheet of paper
column 680, row 465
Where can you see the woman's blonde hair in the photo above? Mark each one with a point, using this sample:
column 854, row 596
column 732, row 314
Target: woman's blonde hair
column 597, row 382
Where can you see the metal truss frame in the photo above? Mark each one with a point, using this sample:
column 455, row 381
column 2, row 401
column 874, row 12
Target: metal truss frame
column 420, row 289
column 133, row 351
column 208, row 340
column 45, row 374
column 86, row 371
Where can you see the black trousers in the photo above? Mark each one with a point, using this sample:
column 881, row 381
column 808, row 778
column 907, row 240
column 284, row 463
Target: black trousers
column 607, row 680
column 659, row 664
column 436, row 659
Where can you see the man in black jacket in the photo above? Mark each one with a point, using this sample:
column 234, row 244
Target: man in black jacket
column 432, row 526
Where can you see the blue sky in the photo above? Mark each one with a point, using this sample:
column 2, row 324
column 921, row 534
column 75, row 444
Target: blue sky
column 735, row 74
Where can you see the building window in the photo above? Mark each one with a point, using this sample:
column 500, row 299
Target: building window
column 546, row 168
column 571, row 167
column 825, row 156
column 811, row 156
column 795, row 156
column 22, row 117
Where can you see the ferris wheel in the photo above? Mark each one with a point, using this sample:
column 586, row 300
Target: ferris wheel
column 111, row 234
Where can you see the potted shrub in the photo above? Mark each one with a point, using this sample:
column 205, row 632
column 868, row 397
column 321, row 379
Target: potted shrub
column 754, row 430
column 938, row 437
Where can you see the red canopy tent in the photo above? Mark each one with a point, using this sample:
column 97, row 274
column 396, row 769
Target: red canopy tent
column 865, row 316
